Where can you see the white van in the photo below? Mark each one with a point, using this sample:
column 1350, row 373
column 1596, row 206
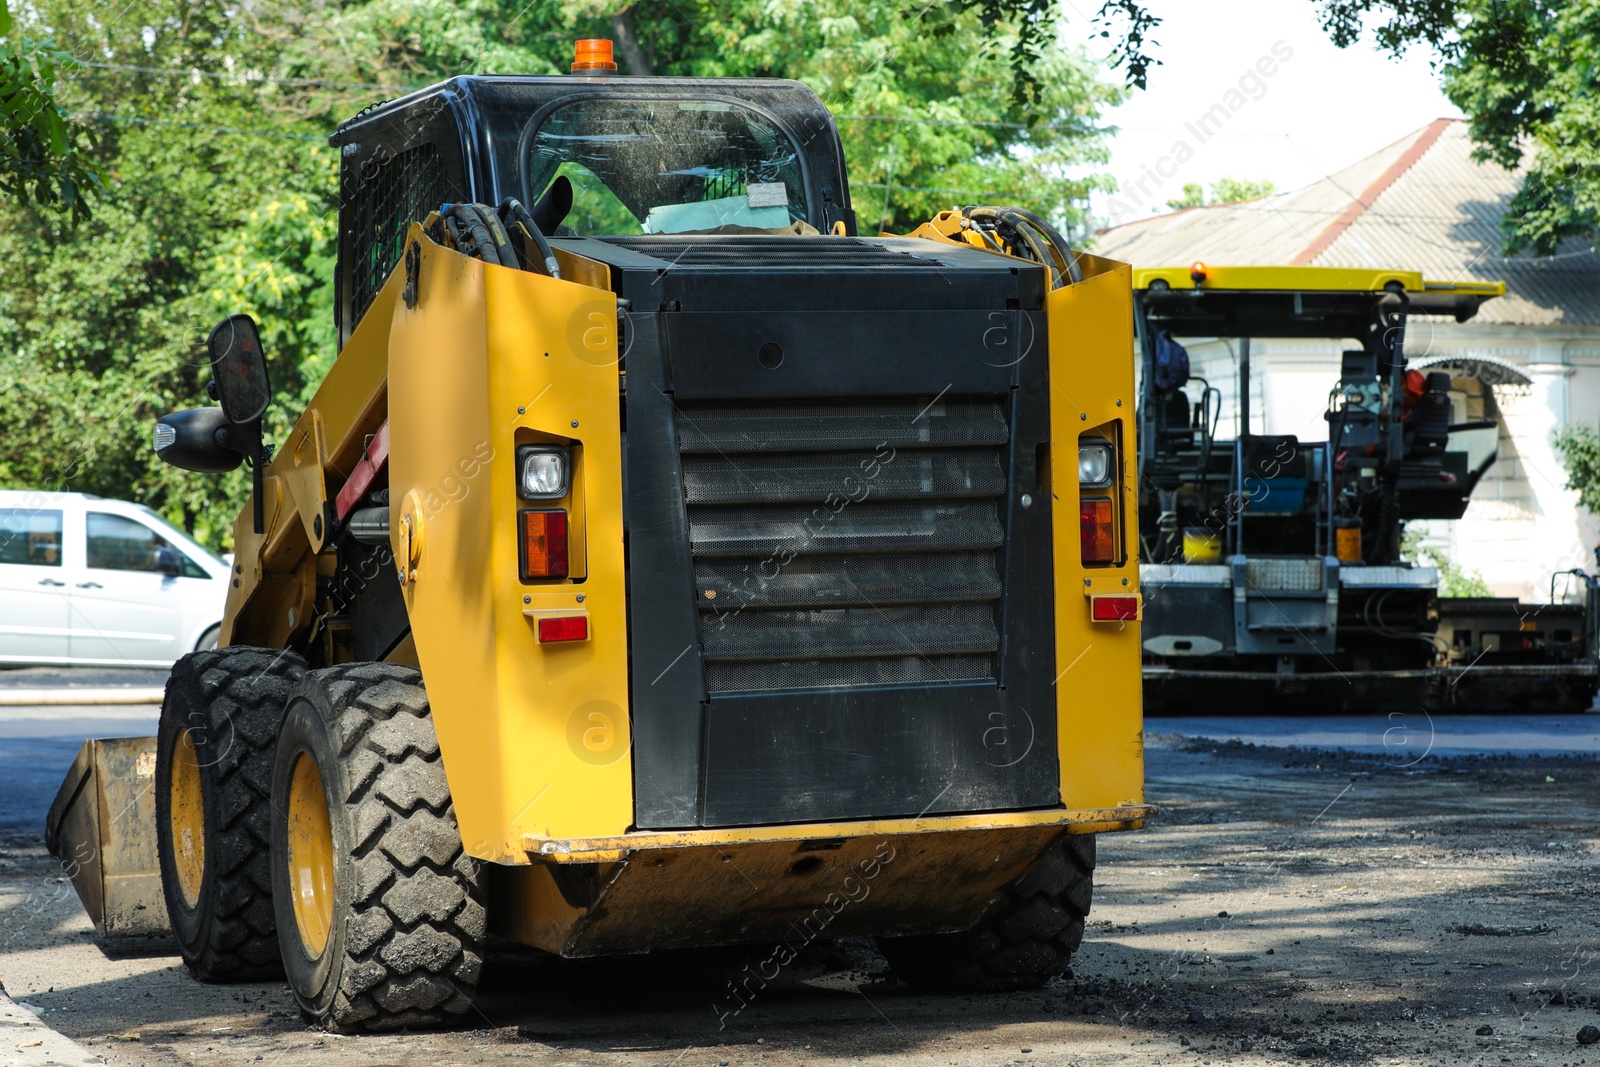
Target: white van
column 101, row 583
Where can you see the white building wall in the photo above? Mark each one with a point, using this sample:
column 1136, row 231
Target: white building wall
column 1523, row 524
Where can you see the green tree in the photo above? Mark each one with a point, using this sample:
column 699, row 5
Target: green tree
column 1235, row 190
column 924, row 95
column 1224, row 191
column 100, row 324
column 1194, row 195
column 1579, row 449
column 1454, row 579
column 1525, row 74
column 44, row 155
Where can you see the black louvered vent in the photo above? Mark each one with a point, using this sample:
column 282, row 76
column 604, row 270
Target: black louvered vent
column 844, row 545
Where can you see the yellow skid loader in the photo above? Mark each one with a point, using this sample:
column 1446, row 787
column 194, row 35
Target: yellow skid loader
column 660, row 564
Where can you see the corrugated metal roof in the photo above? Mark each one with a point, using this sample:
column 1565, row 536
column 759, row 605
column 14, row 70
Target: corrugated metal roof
column 1441, row 215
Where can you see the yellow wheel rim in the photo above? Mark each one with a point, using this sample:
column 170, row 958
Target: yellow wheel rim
column 188, row 817
column 310, row 855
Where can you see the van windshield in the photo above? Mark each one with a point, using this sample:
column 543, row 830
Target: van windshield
column 664, row 166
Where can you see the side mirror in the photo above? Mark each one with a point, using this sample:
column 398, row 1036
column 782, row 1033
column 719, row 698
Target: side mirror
column 217, row 440
column 197, row 439
column 168, row 563
column 239, row 369
column 239, row 373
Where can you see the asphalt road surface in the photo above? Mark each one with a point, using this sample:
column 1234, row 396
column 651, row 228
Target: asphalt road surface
column 13, row 678
column 37, row 745
column 1417, row 903
column 1403, row 736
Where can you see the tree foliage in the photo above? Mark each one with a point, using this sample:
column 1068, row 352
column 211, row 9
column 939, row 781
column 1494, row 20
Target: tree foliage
column 220, row 189
column 101, row 324
column 1528, row 76
column 1454, row 579
column 924, row 95
column 1579, row 449
column 44, row 154
column 1223, row 191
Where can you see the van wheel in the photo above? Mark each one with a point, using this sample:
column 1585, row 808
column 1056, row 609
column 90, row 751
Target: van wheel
column 214, row 748
column 209, row 639
column 380, row 911
column 1026, row 938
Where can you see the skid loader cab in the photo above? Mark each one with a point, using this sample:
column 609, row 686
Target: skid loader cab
column 671, row 154
column 663, row 564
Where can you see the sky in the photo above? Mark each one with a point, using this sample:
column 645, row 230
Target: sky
column 1295, row 108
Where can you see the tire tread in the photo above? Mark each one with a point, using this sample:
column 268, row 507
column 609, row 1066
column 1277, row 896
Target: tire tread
column 1026, row 937
column 413, row 945
column 242, row 692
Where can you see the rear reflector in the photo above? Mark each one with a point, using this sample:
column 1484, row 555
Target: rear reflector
column 1115, row 608
column 1097, row 531
column 570, row 628
column 544, row 544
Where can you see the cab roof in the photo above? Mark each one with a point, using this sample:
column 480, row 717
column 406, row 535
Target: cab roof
column 468, row 91
column 1260, row 301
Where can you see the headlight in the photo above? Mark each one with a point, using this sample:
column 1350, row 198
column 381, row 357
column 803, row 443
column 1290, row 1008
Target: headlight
column 541, row 472
column 1094, row 465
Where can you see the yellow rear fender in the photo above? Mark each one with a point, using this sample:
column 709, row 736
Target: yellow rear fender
column 1098, row 696
column 534, row 735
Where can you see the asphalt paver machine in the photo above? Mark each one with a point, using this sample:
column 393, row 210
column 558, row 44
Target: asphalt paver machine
column 1272, row 565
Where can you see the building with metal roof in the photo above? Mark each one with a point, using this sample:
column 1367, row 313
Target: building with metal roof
column 1530, row 358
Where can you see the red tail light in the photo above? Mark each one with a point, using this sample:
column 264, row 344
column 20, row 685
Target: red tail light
column 1115, row 608
column 1098, row 531
column 566, row 628
column 544, row 544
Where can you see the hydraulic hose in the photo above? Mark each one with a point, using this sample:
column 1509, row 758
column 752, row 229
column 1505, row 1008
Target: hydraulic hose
column 475, row 231
column 512, row 213
column 1018, row 236
column 1027, row 230
column 1058, row 242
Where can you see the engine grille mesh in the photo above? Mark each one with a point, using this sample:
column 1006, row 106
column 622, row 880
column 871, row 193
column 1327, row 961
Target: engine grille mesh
column 845, row 545
column 393, row 192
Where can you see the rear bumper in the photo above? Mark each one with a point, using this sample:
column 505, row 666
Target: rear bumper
column 1588, row 669
column 785, row 885
column 611, row 849
column 1552, row 687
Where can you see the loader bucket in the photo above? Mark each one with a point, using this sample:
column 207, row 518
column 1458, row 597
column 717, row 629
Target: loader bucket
column 102, row 827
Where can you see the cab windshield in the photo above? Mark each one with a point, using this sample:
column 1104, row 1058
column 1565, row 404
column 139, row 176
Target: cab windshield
column 664, row 166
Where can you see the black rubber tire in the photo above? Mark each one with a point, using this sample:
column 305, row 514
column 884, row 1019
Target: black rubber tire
column 231, row 700
column 1026, row 938
column 405, row 946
